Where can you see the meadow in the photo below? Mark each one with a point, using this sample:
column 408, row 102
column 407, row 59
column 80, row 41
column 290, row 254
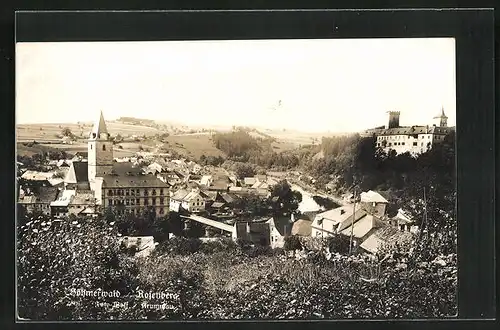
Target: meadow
column 191, row 145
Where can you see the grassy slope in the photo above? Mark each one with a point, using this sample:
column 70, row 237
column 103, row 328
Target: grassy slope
column 48, row 132
column 193, row 145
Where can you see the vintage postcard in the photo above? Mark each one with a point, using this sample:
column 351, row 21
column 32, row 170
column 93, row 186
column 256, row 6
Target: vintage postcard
column 236, row 180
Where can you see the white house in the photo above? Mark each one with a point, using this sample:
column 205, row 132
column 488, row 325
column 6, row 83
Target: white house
column 191, row 201
column 374, row 202
column 330, row 222
column 280, row 227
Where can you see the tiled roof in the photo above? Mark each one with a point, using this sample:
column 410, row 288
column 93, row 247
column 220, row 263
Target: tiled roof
column 194, row 177
column 219, row 185
column 37, row 176
column 282, row 224
column 209, row 195
column 228, row 198
column 402, row 217
column 27, row 200
column 261, row 177
column 338, row 214
column 302, row 227
column 64, row 199
column 88, row 210
column 385, row 235
column 260, row 185
column 338, row 219
column 125, row 168
column 411, row 130
column 191, row 195
column 372, row 197
column 78, row 172
column 82, row 199
column 56, row 181
column 179, row 195
column 205, row 180
column 83, row 154
column 217, row 204
column 249, row 181
column 47, row 194
column 144, row 181
column 362, row 226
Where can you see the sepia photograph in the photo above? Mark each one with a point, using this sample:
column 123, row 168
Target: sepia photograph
column 272, row 179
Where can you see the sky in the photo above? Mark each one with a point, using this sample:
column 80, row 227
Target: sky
column 330, row 85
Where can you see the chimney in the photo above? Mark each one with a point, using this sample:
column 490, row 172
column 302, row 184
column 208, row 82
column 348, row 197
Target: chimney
column 342, row 211
column 393, row 119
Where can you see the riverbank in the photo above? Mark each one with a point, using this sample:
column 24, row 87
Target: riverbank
column 308, row 204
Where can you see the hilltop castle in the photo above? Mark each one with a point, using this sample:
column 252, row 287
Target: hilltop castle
column 413, row 139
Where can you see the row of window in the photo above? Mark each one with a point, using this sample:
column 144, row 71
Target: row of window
column 103, row 147
column 134, row 201
column 133, row 192
column 415, row 144
column 136, row 211
column 402, row 137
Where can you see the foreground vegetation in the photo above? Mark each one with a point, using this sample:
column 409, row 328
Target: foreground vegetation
column 220, row 280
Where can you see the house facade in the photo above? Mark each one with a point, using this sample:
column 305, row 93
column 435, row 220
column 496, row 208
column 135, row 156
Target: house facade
column 252, row 232
column 191, row 201
column 279, row 229
column 330, row 222
column 39, row 202
column 374, row 203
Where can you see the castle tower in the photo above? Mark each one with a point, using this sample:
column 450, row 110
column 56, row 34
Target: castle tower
column 393, row 119
column 100, row 150
column 441, row 120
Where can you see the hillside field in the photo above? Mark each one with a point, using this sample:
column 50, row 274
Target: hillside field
column 49, row 132
column 193, row 145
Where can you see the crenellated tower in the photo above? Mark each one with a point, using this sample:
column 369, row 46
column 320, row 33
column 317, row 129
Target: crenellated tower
column 393, row 119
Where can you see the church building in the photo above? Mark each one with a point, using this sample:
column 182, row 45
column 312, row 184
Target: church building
column 122, row 186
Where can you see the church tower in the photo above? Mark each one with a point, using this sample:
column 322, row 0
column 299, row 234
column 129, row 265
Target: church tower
column 441, row 120
column 100, row 150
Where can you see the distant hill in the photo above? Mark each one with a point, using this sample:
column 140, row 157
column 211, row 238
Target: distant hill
column 135, row 121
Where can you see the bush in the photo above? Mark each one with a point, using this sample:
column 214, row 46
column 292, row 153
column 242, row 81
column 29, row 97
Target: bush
column 220, row 245
column 338, row 244
column 292, row 243
column 180, row 246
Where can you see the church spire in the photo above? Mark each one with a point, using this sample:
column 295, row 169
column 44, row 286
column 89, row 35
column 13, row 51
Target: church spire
column 99, row 127
column 441, row 119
